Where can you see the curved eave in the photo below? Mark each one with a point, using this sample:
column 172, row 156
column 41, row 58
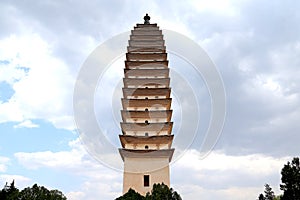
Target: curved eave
column 146, row 72
column 146, row 56
column 162, row 139
column 157, row 127
column 162, row 153
column 166, row 114
column 146, row 103
column 146, row 64
column 146, row 92
column 143, row 82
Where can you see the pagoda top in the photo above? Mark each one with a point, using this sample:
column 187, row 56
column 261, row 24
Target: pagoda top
column 146, row 19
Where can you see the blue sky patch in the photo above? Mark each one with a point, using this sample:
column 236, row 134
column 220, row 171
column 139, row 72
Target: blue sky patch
column 6, row 91
column 43, row 138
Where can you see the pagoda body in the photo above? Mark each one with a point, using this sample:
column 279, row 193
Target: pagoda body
column 146, row 116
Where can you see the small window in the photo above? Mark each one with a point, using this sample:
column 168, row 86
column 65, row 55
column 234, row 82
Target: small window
column 146, row 97
column 146, row 122
column 146, row 180
column 146, row 147
column 146, row 109
column 146, row 134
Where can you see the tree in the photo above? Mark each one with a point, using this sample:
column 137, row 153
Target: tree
column 34, row 193
column 261, row 197
column 290, row 178
column 131, row 195
column 162, row 191
column 40, row 193
column 278, row 197
column 158, row 192
column 9, row 192
column 269, row 194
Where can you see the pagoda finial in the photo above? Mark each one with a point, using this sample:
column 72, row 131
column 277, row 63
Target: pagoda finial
column 147, row 19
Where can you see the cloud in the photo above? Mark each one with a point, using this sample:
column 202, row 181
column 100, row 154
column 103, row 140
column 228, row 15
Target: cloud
column 26, row 124
column 41, row 82
column 4, row 161
column 100, row 181
column 96, row 189
column 220, row 176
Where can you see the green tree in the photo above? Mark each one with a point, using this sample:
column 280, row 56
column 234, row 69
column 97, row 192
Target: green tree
column 290, row 178
column 9, row 192
column 261, row 197
column 269, row 194
column 40, row 193
column 131, row 195
column 162, row 191
column 278, row 197
column 158, row 192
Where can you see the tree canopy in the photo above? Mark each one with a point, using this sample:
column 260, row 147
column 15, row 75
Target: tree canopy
column 290, row 178
column 158, row 192
column 10, row 192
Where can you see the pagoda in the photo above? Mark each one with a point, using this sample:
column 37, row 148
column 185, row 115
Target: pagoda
column 146, row 115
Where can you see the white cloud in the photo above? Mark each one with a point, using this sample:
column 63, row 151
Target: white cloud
column 191, row 191
column 26, row 124
column 96, row 189
column 220, row 176
column 256, row 164
column 219, row 7
column 42, row 83
column 60, row 160
column 4, row 161
column 100, row 181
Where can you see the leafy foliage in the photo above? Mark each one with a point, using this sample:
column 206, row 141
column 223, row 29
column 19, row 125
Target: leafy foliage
column 9, row 192
column 131, row 195
column 158, row 192
column 290, row 178
column 34, row 193
column 261, row 197
column 269, row 194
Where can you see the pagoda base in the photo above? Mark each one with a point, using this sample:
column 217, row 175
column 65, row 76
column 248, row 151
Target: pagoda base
column 143, row 169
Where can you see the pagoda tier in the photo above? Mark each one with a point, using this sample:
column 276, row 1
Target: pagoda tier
column 146, row 64
column 146, row 93
column 146, row 73
column 146, row 153
column 146, row 83
column 146, row 113
column 144, row 128
column 150, row 104
column 150, row 116
column 139, row 142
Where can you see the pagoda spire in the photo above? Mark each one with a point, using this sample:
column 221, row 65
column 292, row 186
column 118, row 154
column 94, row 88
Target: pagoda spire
column 146, row 19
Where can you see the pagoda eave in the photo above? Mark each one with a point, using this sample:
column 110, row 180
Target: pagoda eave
column 162, row 139
column 146, row 103
column 156, row 127
column 146, row 64
column 166, row 114
column 147, row 153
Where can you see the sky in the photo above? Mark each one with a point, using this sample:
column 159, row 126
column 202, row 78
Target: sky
column 254, row 44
